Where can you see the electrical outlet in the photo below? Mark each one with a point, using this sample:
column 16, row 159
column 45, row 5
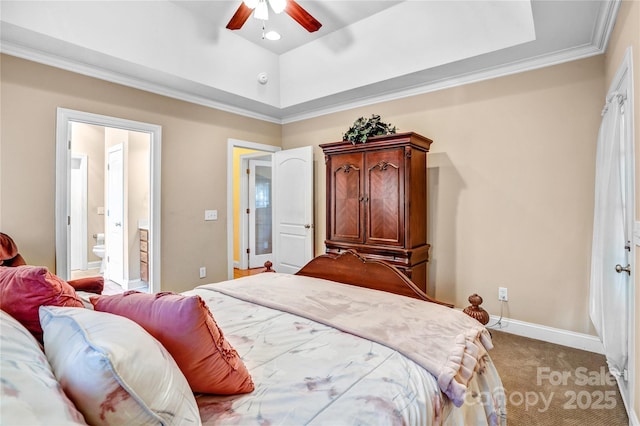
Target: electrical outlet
column 502, row 294
column 211, row 215
column 203, row 272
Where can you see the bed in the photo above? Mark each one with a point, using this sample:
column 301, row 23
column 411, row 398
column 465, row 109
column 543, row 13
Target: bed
column 345, row 341
column 324, row 353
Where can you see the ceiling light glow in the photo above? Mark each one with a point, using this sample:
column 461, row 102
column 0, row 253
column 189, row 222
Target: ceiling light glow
column 261, row 11
column 272, row 35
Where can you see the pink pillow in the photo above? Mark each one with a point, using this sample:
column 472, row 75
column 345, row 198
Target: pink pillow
column 88, row 284
column 24, row 289
column 185, row 327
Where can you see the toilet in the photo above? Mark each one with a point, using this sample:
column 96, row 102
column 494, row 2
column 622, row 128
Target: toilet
column 98, row 250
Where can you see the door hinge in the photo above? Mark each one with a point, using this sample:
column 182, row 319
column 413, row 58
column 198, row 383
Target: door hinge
column 68, row 220
column 248, row 211
column 248, row 171
column 69, row 144
column 248, row 250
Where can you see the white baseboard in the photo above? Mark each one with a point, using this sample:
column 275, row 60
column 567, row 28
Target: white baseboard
column 94, row 265
column 572, row 339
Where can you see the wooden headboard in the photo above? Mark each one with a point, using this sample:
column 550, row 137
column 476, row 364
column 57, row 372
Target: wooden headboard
column 350, row 268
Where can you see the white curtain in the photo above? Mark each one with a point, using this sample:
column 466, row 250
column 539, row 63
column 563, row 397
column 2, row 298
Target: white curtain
column 608, row 290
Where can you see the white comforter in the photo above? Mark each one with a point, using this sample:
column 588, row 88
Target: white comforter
column 309, row 372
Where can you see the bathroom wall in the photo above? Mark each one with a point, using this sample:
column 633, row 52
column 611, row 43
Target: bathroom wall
column 94, row 141
column 138, row 183
column 88, row 139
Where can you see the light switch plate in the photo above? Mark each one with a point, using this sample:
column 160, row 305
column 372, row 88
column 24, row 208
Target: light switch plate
column 211, row 215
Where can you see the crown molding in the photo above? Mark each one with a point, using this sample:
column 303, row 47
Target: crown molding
column 227, row 102
column 44, row 58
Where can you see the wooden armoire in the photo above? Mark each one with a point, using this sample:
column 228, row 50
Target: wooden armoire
column 377, row 201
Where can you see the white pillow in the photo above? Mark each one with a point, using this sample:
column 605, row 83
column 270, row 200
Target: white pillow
column 114, row 371
column 30, row 393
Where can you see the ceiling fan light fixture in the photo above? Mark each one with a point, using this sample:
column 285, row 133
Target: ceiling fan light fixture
column 251, row 4
column 261, row 11
column 272, row 35
column 278, row 5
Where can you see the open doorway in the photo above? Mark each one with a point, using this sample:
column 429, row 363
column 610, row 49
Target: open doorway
column 238, row 221
column 289, row 214
column 108, row 185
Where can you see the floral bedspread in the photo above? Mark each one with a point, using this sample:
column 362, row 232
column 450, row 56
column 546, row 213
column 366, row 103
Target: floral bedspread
column 308, row 372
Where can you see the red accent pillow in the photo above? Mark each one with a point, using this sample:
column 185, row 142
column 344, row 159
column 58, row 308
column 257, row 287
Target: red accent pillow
column 185, row 327
column 24, row 289
column 89, row 284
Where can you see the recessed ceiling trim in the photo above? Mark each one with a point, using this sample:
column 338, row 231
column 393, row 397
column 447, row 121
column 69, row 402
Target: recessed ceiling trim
column 450, row 82
column 35, row 55
column 605, row 24
column 453, row 81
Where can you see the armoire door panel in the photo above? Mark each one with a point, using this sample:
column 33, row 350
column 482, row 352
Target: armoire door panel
column 385, row 197
column 347, row 200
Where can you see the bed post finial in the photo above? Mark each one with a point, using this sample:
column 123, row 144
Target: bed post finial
column 267, row 266
column 475, row 311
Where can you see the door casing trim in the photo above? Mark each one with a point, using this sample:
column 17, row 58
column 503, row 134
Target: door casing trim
column 231, row 144
column 63, row 177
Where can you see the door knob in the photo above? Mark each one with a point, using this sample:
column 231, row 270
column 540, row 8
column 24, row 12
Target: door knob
column 307, row 226
column 620, row 268
column 118, row 224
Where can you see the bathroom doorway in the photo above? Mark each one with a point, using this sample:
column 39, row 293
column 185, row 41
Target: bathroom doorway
column 86, row 222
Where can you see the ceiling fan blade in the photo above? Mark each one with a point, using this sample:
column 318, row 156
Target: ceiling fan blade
column 302, row 17
column 240, row 17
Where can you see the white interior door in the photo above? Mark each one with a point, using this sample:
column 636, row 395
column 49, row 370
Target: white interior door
column 78, row 212
column 293, row 208
column 260, row 213
column 114, row 240
column 612, row 307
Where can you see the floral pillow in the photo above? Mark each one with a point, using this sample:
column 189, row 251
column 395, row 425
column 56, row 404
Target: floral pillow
column 114, row 371
column 184, row 325
column 30, row 393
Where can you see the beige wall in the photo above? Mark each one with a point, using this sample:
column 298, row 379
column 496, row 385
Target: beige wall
column 511, row 178
column 627, row 34
column 194, row 143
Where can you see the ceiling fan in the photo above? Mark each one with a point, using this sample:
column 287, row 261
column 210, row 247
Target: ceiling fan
column 290, row 7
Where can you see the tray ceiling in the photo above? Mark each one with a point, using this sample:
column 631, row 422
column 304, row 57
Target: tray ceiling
column 365, row 52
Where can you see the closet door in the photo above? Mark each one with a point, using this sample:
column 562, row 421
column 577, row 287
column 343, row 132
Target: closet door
column 384, row 198
column 345, row 209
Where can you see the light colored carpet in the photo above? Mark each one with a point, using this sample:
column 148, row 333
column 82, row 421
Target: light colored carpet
column 547, row 384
